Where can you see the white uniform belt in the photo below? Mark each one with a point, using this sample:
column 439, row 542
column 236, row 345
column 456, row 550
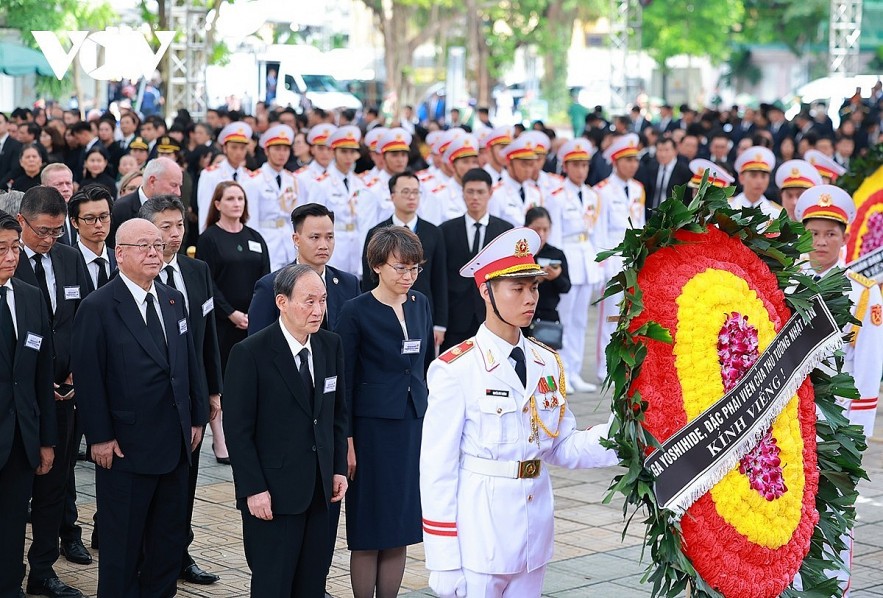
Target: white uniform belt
column 501, row 469
column 580, row 237
column 274, row 223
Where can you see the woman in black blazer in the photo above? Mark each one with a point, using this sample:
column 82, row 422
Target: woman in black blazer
column 388, row 345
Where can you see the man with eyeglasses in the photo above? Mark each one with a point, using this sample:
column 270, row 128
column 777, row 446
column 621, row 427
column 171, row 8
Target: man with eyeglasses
column 89, row 211
column 404, row 190
column 143, row 409
column 58, row 271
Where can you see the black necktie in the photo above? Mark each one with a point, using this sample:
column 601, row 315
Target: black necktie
column 7, row 329
column 579, row 194
column 279, row 180
column 476, row 240
column 520, row 366
column 154, row 326
column 521, row 193
column 170, row 276
column 304, row 370
column 102, row 271
column 626, row 190
column 346, row 183
column 235, row 176
column 41, row 281
column 817, row 277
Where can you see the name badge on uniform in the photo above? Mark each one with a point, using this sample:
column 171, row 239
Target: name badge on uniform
column 182, row 326
column 71, row 293
column 208, row 306
column 255, row 246
column 34, row 341
column 411, row 347
column 490, row 392
column 330, row 384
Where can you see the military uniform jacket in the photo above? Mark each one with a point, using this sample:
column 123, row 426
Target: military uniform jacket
column 478, row 408
column 378, row 185
column 270, row 212
column 209, row 179
column 441, row 202
column 306, row 177
column 506, row 203
column 864, row 354
column 770, row 208
column 577, row 226
column 548, row 182
column 616, row 210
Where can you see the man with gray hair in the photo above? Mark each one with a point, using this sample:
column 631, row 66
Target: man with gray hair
column 161, row 176
column 60, row 177
column 286, row 426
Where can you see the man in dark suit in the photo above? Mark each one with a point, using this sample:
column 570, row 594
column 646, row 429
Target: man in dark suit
column 10, row 147
column 27, row 413
column 404, row 191
column 314, row 239
column 286, row 425
column 464, row 237
column 162, row 176
column 143, row 414
column 193, row 278
column 662, row 174
column 59, row 273
column 667, row 123
column 59, row 177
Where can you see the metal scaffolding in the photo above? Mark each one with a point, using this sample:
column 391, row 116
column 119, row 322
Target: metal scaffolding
column 625, row 43
column 843, row 41
column 187, row 59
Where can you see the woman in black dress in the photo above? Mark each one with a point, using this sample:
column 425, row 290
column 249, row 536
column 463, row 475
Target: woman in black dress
column 552, row 260
column 97, row 170
column 27, row 175
column 388, row 345
column 237, row 257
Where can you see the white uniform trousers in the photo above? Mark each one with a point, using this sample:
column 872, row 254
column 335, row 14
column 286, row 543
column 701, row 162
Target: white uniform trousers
column 574, row 313
column 608, row 314
column 527, row 584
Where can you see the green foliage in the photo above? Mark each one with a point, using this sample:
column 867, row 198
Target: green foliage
column 860, row 169
column 795, row 23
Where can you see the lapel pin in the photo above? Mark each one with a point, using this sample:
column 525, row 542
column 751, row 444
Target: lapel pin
column 171, row 301
column 413, row 298
column 334, row 280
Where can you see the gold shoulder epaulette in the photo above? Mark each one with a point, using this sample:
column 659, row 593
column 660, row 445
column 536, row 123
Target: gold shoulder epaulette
column 454, row 352
column 437, row 189
column 301, row 169
column 862, row 280
column 536, row 342
column 322, row 177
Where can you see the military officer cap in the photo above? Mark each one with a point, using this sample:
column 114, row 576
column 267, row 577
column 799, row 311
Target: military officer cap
column 372, row 137
column 827, row 202
column 394, row 140
column 521, row 148
column 797, row 174
column 277, row 135
column 320, row 133
column 443, row 141
column 482, row 137
column 167, row 145
column 464, row 146
column 624, row 146
column 235, row 132
column 347, row 137
column 138, row 143
column 541, row 142
column 755, row 158
column 574, row 150
column 826, row 166
column 510, row 255
column 499, row 136
column 432, row 137
column 717, row 176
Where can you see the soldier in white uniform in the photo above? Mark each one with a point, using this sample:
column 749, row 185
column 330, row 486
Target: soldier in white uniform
column 827, row 168
column 393, row 147
column 369, row 177
column 580, row 208
column 343, row 192
column 622, row 207
column 754, row 166
column 827, row 211
column 717, row 176
column 497, row 414
column 276, row 195
column 496, row 144
column 234, row 138
column 434, row 186
column 545, row 181
column 447, row 203
column 307, row 175
column 793, row 178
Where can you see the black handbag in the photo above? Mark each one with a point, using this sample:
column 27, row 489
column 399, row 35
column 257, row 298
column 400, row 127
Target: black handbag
column 550, row 334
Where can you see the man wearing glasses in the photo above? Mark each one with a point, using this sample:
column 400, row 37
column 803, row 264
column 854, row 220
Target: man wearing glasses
column 59, row 273
column 143, row 408
column 89, row 211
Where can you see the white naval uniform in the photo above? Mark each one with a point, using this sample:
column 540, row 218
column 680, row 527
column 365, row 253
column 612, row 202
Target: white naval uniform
column 307, row 176
column 355, row 212
column 616, row 210
column 379, row 186
column 548, row 183
column 270, row 212
column 442, row 202
column 209, row 179
column 770, row 208
column 577, row 225
column 496, row 176
column 506, row 203
column 479, row 418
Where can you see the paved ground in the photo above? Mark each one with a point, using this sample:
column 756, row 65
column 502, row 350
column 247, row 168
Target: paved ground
column 591, row 558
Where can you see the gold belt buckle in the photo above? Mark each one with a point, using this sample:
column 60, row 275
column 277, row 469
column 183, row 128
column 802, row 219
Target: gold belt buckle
column 583, row 237
column 529, row 469
column 350, row 227
column 280, row 222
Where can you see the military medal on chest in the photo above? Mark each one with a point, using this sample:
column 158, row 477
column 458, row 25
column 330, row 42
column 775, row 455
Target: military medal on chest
column 287, row 199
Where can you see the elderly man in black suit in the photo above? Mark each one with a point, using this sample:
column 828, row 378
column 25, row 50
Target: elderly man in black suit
column 58, row 271
column 286, row 429
column 194, row 280
column 464, row 237
column 143, row 412
column 162, row 176
column 27, row 413
column 404, row 191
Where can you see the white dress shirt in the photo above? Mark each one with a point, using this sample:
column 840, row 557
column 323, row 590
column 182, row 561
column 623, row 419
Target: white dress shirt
column 411, row 224
column 470, row 229
column 140, row 296
column 91, row 265
column 50, row 274
column 296, row 347
column 179, row 279
column 10, row 301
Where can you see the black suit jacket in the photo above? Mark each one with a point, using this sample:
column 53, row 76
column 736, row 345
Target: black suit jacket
column 127, row 388
column 71, row 280
column 124, row 208
column 203, row 325
column 276, row 434
column 9, row 155
column 433, row 281
column 465, row 305
column 111, row 260
column 680, row 175
column 28, row 397
column 341, row 286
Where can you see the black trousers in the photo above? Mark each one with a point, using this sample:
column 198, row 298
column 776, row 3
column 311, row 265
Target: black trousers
column 48, row 499
column 143, row 528
column 193, row 475
column 70, row 531
column 288, row 555
column 16, row 481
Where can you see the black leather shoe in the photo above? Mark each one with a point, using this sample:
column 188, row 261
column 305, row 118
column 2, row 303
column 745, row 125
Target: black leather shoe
column 53, row 587
column 193, row 574
column 75, row 552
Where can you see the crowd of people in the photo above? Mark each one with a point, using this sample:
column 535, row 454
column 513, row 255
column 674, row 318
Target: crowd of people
column 288, row 279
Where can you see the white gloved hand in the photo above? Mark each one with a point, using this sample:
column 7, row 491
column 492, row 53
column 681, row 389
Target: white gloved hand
column 448, row 584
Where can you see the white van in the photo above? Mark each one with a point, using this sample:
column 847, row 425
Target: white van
column 302, row 89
